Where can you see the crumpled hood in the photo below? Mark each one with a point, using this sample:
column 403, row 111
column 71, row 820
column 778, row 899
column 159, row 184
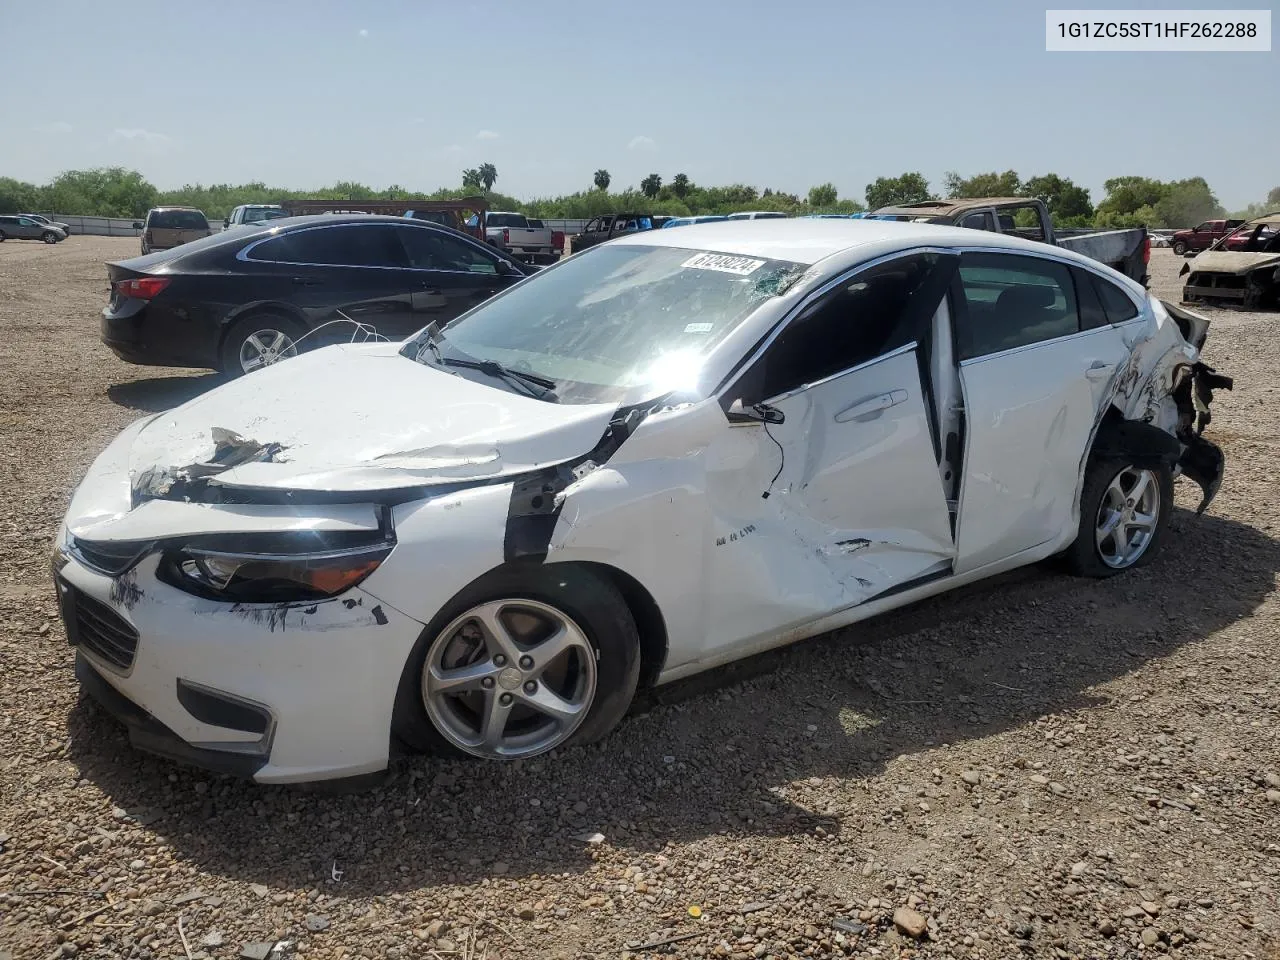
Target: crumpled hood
column 358, row 417
column 1225, row 261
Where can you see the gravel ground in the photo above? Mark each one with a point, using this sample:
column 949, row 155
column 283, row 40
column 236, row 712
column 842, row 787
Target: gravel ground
column 1036, row 766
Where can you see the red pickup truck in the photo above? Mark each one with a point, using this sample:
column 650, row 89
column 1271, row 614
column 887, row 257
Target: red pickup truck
column 1202, row 237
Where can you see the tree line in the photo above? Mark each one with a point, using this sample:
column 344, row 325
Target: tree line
column 1129, row 201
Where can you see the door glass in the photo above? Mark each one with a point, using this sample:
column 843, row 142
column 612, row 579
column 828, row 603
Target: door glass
column 1011, row 301
column 350, row 245
column 1118, row 306
column 978, row 221
column 1092, row 315
column 875, row 312
column 427, row 249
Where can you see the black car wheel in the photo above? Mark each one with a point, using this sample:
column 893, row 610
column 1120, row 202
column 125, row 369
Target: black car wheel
column 525, row 660
column 1180, row 248
column 1, row 236
column 259, row 340
column 49, row 237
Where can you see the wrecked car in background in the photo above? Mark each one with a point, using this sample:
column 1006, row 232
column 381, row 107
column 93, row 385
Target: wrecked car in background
column 661, row 455
column 1242, row 267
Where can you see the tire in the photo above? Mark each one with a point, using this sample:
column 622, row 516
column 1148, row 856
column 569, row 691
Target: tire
column 1105, row 479
column 429, row 721
column 49, row 237
column 266, row 327
column 1180, row 248
column 1, row 236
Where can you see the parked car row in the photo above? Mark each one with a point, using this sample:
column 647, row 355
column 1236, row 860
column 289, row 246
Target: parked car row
column 661, row 455
column 31, row 226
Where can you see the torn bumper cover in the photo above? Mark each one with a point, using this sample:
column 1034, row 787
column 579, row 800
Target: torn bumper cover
column 1201, row 460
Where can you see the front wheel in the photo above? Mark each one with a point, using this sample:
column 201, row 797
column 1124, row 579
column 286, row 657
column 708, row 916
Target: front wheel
column 525, row 660
column 1180, row 248
column 49, row 237
column 1124, row 510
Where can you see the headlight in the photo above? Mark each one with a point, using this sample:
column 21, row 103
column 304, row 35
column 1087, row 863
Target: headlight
column 272, row 570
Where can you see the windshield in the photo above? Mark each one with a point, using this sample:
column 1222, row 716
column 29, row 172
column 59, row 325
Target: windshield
column 505, row 220
column 618, row 323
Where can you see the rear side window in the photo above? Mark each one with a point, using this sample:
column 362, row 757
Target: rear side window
column 875, row 312
column 348, row 245
column 1092, row 315
column 1115, row 302
column 1013, row 301
column 178, row 220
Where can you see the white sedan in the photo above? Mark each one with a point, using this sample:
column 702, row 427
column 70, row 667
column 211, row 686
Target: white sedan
column 663, row 454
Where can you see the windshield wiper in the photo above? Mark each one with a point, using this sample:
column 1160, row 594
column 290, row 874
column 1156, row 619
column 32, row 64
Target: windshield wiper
column 430, row 337
column 545, row 388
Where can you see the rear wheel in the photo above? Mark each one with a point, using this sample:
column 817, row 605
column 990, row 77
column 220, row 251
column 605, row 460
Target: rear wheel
column 258, row 341
column 525, row 660
column 1, row 236
column 1124, row 510
column 1180, row 248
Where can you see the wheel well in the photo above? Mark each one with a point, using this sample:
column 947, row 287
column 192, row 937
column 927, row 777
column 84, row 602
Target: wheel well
column 261, row 309
column 650, row 623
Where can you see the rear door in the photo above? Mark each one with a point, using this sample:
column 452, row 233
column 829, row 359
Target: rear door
column 1037, row 360
column 451, row 275
column 347, row 271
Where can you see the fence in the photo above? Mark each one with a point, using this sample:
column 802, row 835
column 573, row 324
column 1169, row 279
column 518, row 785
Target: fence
column 123, row 227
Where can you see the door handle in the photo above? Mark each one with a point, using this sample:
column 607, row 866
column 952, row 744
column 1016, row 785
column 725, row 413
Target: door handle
column 1099, row 370
column 306, row 281
column 871, row 407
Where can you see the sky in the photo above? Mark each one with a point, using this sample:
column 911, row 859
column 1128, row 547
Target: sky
column 781, row 95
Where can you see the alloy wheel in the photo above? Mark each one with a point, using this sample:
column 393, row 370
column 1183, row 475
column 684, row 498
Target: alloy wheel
column 1127, row 517
column 265, row 347
column 509, row 678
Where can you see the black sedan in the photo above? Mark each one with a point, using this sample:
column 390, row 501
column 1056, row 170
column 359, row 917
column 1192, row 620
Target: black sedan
column 240, row 300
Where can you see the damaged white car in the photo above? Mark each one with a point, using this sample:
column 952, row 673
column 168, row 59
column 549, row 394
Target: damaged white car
column 663, row 454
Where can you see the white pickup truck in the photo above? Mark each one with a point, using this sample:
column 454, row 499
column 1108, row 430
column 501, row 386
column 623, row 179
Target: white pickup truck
column 515, row 234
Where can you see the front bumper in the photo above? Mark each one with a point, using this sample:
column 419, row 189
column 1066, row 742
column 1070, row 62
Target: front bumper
column 324, row 675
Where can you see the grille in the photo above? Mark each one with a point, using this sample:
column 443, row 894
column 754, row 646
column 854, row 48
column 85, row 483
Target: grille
column 99, row 629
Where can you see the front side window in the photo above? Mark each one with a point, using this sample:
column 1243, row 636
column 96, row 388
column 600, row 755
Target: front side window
column 978, row 221
column 873, row 313
column 1012, row 301
column 427, row 249
column 619, row 324
column 348, row 245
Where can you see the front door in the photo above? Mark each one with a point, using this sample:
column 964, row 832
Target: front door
column 1033, row 377
column 451, row 275
column 850, row 476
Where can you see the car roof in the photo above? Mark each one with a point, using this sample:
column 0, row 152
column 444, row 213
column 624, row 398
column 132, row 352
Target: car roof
column 951, row 207
column 801, row 240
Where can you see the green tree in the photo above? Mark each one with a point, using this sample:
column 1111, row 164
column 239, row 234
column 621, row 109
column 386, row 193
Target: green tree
column 471, row 180
column 1127, row 194
column 680, row 185
column 488, row 175
column 602, row 179
column 1273, row 198
column 102, row 192
column 650, row 185
column 1065, row 200
column 1188, row 202
column 907, row 188
column 991, row 184
column 823, row 195
column 16, row 196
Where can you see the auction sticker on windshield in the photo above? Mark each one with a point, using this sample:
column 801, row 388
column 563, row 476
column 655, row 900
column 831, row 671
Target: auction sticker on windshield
column 723, row 263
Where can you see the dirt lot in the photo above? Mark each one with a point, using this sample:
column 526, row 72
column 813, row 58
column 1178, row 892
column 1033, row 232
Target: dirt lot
column 1038, row 766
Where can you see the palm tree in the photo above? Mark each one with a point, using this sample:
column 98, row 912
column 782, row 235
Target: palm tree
column 680, row 185
column 488, row 175
column 471, row 180
column 602, row 179
column 650, row 185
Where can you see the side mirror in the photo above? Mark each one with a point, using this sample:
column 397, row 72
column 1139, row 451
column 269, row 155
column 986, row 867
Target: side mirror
column 137, row 225
column 755, row 413
column 508, row 269
column 226, row 222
